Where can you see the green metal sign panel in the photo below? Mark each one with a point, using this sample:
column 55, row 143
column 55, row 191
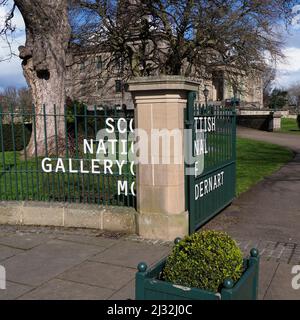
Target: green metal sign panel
column 211, row 163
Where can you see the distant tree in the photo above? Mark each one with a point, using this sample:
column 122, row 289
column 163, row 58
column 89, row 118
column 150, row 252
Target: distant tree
column 25, row 99
column 268, row 77
column 9, row 98
column 294, row 95
column 278, row 99
column 16, row 99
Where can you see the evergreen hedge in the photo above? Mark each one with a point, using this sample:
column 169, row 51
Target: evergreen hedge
column 19, row 130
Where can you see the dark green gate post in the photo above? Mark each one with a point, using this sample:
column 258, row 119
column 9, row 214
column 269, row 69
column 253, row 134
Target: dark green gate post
column 233, row 144
column 190, row 179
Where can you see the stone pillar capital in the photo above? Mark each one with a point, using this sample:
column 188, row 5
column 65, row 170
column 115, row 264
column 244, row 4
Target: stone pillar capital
column 162, row 84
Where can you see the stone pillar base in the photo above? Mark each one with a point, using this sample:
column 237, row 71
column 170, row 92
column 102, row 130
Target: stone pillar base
column 162, row 226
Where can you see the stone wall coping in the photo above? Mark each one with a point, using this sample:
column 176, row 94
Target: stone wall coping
column 277, row 115
column 108, row 218
column 63, row 205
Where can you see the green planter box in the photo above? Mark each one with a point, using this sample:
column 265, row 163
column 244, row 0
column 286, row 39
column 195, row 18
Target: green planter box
column 149, row 287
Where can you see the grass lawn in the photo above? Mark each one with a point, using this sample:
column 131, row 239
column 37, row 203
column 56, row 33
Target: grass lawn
column 256, row 160
column 289, row 126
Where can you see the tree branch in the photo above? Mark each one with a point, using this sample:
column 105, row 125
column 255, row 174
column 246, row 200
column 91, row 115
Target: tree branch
column 8, row 20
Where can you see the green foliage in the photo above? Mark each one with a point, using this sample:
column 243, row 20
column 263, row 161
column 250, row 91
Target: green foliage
column 204, row 260
column 75, row 107
column 278, row 99
column 16, row 135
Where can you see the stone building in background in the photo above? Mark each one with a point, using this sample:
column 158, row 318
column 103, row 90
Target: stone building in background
column 94, row 78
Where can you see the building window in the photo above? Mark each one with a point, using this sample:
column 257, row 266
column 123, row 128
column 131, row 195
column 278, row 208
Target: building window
column 99, row 85
column 126, row 87
column 82, row 66
column 118, row 85
column 82, row 87
column 99, row 63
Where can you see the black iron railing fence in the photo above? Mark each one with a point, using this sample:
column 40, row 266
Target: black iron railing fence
column 75, row 155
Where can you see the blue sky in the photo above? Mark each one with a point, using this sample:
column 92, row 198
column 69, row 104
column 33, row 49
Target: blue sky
column 10, row 67
column 289, row 70
column 11, row 71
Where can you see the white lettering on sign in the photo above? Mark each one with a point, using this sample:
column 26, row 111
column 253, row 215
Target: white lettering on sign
column 105, row 155
column 208, row 185
column 120, row 123
column 200, row 147
column 205, row 124
column 123, row 187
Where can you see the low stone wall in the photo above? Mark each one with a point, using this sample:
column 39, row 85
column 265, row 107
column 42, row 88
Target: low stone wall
column 120, row 219
column 262, row 112
column 262, row 119
column 259, row 122
column 253, row 112
column 284, row 113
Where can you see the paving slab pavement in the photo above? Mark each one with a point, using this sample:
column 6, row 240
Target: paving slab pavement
column 266, row 275
column 14, row 290
column 58, row 289
column 7, row 252
column 100, row 274
column 40, row 264
column 54, row 263
column 73, row 269
column 129, row 254
column 24, row 241
column 281, row 285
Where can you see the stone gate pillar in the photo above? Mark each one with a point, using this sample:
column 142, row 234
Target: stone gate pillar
column 159, row 106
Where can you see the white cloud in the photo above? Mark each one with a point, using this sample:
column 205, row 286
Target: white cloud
column 289, row 70
column 292, row 62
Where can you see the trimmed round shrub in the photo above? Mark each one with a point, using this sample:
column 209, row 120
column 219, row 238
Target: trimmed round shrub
column 204, row 260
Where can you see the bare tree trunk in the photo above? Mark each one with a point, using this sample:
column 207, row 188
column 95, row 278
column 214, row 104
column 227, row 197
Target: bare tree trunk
column 44, row 63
